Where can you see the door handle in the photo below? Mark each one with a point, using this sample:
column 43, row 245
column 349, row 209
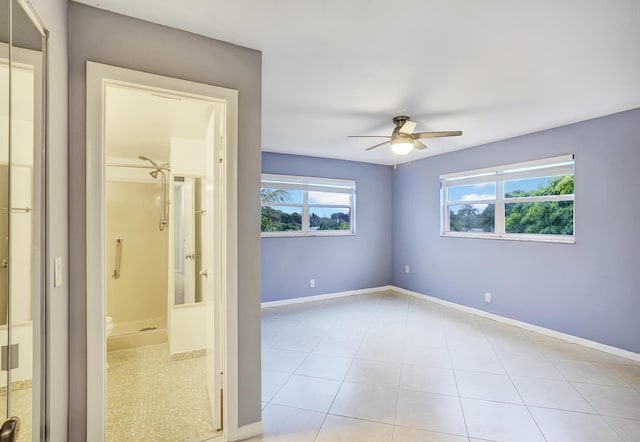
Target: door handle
column 202, row 273
column 10, row 430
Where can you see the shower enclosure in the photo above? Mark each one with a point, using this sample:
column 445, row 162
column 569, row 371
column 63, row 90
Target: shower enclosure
column 137, row 203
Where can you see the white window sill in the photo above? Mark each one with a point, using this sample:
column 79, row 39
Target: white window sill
column 304, row 235
column 513, row 237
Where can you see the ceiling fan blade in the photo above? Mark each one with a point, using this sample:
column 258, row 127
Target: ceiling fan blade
column 418, row 145
column 450, row 133
column 408, row 127
column 378, row 145
column 368, row 136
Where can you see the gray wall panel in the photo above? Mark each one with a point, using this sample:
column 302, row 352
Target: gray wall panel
column 109, row 38
column 337, row 263
column 587, row 289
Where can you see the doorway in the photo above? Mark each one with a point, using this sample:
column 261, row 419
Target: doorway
column 161, row 308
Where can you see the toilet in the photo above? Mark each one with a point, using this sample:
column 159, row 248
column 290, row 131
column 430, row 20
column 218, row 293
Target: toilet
column 108, row 327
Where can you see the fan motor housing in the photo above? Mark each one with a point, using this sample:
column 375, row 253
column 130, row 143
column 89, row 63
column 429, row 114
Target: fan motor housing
column 400, row 120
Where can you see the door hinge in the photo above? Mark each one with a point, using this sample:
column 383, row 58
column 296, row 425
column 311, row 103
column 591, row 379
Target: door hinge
column 221, row 423
column 10, row 357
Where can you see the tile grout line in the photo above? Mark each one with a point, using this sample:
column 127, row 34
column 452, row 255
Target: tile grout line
column 511, row 380
column 455, row 379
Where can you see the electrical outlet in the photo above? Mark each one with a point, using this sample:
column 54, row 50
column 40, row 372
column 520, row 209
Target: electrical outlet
column 407, row 269
column 312, row 283
column 487, row 297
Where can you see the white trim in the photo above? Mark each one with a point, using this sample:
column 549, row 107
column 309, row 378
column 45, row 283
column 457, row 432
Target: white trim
column 323, row 184
column 269, row 304
column 226, row 180
column 525, row 325
column 513, row 166
column 527, row 237
column 247, row 431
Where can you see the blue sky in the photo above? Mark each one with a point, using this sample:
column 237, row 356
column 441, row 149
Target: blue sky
column 474, row 192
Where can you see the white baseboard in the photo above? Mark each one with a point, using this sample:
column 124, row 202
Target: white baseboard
column 326, row 296
column 247, row 431
column 525, row 325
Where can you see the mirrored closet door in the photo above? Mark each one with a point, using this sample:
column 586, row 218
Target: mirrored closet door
column 22, row 220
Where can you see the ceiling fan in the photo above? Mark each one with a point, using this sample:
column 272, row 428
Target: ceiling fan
column 403, row 139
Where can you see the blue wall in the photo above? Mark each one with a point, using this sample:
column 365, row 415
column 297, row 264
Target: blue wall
column 589, row 289
column 337, row 263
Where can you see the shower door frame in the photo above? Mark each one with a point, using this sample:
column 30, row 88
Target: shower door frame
column 98, row 75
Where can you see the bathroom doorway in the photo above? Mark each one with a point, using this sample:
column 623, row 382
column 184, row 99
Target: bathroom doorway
column 161, row 305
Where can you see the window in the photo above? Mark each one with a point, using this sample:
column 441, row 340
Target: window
column 306, row 206
column 528, row 201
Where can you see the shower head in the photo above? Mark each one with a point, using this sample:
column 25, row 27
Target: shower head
column 143, row 158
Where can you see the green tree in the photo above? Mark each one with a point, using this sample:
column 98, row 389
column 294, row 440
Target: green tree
column 547, row 217
column 274, row 195
column 274, row 220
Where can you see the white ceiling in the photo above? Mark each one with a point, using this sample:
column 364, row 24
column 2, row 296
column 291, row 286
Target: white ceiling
column 493, row 69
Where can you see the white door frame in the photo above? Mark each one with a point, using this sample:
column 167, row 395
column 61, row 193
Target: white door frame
column 98, row 76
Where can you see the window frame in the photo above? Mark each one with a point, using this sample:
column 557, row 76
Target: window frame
column 547, row 167
column 307, row 184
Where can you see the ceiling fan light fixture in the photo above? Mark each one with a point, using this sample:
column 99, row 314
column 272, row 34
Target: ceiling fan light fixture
column 401, row 145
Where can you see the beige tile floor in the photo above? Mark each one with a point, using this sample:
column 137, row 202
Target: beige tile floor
column 388, row 367
column 152, row 398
